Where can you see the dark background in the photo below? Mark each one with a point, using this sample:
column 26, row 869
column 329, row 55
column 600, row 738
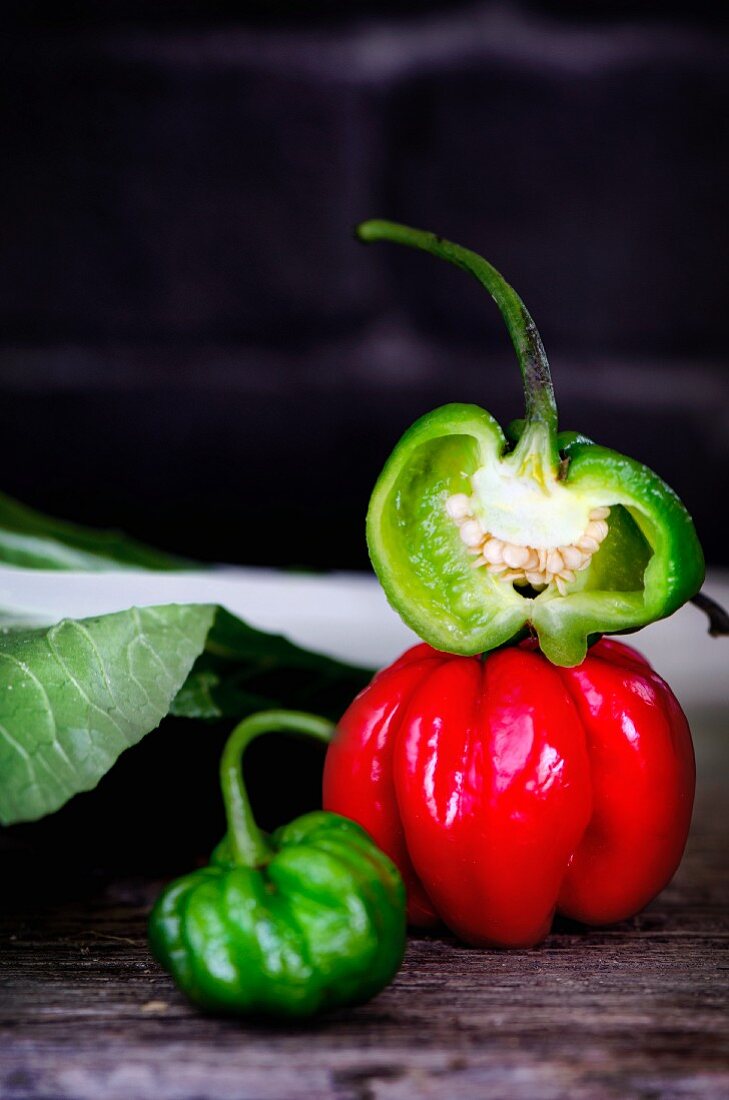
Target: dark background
column 192, row 346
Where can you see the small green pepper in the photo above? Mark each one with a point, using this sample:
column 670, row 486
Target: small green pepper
column 309, row 919
column 479, row 539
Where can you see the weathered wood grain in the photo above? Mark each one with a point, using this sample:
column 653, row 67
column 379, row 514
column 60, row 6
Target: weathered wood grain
column 637, row 1010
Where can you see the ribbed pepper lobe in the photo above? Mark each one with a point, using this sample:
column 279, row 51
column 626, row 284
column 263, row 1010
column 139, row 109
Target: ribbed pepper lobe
column 322, row 925
column 509, row 788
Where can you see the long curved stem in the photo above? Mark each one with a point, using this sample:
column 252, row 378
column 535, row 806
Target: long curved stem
column 540, row 405
column 248, row 845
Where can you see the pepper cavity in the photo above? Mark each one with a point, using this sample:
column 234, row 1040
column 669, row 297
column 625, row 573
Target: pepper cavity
column 531, row 505
column 537, row 566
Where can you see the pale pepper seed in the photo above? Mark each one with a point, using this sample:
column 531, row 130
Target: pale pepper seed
column 536, row 566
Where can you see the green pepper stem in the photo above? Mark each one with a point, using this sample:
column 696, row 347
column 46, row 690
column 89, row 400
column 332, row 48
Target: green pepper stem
column 532, row 358
column 717, row 615
column 248, row 845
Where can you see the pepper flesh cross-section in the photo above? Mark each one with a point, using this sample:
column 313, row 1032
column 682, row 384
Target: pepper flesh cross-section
column 481, row 537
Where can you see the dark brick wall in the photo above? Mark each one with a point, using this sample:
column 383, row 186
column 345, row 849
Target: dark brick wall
column 193, row 347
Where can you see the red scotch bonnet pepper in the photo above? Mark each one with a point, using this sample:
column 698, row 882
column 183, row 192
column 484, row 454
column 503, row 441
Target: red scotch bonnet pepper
column 507, row 789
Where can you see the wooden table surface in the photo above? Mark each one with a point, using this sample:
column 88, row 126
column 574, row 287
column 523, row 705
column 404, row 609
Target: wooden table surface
column 636, row 1010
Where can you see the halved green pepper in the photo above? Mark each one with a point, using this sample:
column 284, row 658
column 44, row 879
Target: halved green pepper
column 479, row 537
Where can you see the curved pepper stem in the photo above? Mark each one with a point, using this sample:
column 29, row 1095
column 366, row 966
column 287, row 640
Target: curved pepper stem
column 248, row 845
column 717, row 615
column 541, row 408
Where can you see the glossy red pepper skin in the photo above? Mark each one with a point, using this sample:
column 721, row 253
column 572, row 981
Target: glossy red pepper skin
column 507, row 789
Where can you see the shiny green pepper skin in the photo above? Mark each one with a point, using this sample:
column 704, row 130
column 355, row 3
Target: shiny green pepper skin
column 318, row 925
column 480, row 537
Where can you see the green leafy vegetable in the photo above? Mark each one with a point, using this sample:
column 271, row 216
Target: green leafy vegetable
column 73, row 696
column 35, row 541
